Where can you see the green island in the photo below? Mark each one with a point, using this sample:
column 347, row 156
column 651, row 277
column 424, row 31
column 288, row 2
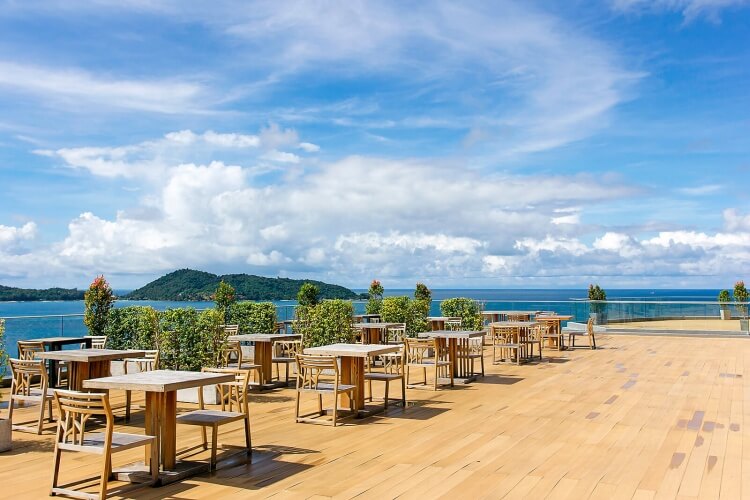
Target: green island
column 188, row 284
column 9, row 293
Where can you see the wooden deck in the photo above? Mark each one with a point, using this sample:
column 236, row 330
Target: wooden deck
column 641, row 417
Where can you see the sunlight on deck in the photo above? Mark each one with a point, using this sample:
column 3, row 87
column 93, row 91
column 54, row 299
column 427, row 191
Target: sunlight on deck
column 640, row 417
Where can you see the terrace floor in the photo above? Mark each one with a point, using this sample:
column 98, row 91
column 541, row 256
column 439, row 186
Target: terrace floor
column 641, row 417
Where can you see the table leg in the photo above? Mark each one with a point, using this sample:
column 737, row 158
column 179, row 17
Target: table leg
column 264, row 358
column 353, row 373
column 168, row 427
column 151, row 422
column 77, row 373
column 453, row 353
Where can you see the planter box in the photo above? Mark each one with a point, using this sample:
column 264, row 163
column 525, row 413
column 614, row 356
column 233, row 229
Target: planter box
column 726, row 314
column 6, row 440
column 744, row 325
column 210, row 395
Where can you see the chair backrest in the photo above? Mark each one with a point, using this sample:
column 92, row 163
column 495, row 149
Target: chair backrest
column 97, row 341
column 590, row 326
column 27, row 349
column 231, row 352
column 233, row 395
column 314, row 370
column 453, row 324
column 517, row 316
column 396, row 333
column 502, row 334
column 75, row 409
column 24, row 372
column 420, row 350
column 373, row 320
column 287, row 348
column 280, row 327
column 358, row 334
column 231, row 329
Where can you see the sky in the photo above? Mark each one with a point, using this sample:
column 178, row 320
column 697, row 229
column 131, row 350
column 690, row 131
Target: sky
column 496, row 144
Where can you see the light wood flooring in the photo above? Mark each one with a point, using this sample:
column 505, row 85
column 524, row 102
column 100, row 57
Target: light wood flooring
column 641, row 417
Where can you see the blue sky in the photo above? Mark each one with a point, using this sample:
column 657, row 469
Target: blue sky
column 484, row 144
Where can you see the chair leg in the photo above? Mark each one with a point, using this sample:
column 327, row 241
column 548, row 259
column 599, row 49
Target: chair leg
column 336, row 406
column 11, row 404
column 205, row 437
column 248, row 441
column 481, row 362
column 106, row 468
column 49, row 409
column 56, row 466
column 296, row 411
column 369, row 387
column 320, row 404
column 128, row 401
column 41, row 416
column 387, row 383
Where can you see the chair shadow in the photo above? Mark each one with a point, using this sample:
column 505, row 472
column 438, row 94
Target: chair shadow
column 263, row 398
column 416, row 409
column 499, row 379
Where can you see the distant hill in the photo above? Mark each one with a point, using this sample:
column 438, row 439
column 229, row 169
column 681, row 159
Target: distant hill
column 27, row 294
column 187, row 284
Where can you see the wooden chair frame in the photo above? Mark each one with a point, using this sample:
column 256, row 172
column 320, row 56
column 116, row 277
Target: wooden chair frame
column 97, row 341
column 470, row 350
column 234, row 400
column 149, row 362
column 393, row 368
column 75, row 409
column 23, row 388
column 572, row 334
column 428, row 353
column 285, row 352
column 320, row 375
column 506, row 339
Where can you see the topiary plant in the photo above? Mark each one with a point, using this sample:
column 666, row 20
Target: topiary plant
column 224, row 297
column 375, row 293
column 308, row 295
column 98, row 301
column 741, row 297
column 466, row 309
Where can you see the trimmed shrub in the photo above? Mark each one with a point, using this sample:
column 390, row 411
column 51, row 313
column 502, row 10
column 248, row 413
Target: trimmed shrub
column 405, row 310
column 133, row 327
column 253, row 317
column 308, row 295
column 224, row 297
column 467, row 309
column 328, row 322
column 375, row 301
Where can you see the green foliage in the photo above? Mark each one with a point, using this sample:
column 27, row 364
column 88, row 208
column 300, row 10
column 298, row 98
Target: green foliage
column 375, row 294
column 724, row 297
column 741, row 297
column 597, row 295
column 224, row 297
column 308, row 294
column 467, row 309
column 189, row 340
column 133, row 327
column 328, row 322
column 253, row 317
column 98, row 300
column 27, row 294
column 213, row 338
column 405, row 310
column 187, row 284
column 421, row 292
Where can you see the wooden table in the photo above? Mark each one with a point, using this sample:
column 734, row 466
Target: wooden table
column 492, row 316
column 353, row 366
column 461, row 369
column 365, row 318
column 372, row 333
column 84, row 364
column 437, row 323
column 519, row 326
column 526, row 314
column 264, row 352
column 555, row 322
column 161, row 388
column 56, row 344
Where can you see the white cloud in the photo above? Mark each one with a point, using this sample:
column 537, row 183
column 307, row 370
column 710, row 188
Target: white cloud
column 12, row 235
column 79, row 90
column 704, row 190
column 690, row 9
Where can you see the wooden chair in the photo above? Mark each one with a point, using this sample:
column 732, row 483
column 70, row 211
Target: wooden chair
column 470, row 350
column 395, row 334
column 24, row 388
column 428, row 353
column 285, row 353
column 149, row 362
column 533, row 337
column 453, row 324
column 97, row 341
column 589, row 332
column 234, row 407
column 393, row 369
column 517, row 317
column 320, row 375
column 549, row 333
column 75, row 409
column 230, row 329
column 506, row 340
column 27, row 349
column 358, row 334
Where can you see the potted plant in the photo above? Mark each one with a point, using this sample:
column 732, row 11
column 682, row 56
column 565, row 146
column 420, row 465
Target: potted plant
column 740, row 298
column 6, row 442
column 724, row 300
column 597, row 305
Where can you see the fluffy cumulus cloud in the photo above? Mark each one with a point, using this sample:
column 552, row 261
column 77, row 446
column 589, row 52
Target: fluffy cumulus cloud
column 359, row 217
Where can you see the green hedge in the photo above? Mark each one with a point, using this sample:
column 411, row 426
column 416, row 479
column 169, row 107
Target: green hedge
column 133, row 327
column 467, row 309
column 253, row 317
column 405, row 310
column 189, row 340
column 328, row 322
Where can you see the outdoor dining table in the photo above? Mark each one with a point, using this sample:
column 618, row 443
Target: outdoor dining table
column 555, row 322
column 519, row 327
column 56, row 344
column 492, row 316
column 161, row 388
column 84, row 364
column 264, row 352
column 522, row 314
column 373, row 333
column 353, row 367
column 461, row 367
column 437, row 322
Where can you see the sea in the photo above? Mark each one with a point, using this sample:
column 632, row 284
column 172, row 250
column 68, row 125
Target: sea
column 26, row 320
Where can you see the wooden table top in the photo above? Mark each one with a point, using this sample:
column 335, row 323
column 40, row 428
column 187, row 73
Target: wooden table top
column 90, row 355
column 515, row 312
column 353, row 350
column 374, row 325
column 557, row 317
column 60, row 340
column 264, row 337
column 440, row 318
column 517, row 324
column 453, row 334
column 158, row 380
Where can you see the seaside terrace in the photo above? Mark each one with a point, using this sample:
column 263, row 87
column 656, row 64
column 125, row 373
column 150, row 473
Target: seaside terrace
column 650, row 413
